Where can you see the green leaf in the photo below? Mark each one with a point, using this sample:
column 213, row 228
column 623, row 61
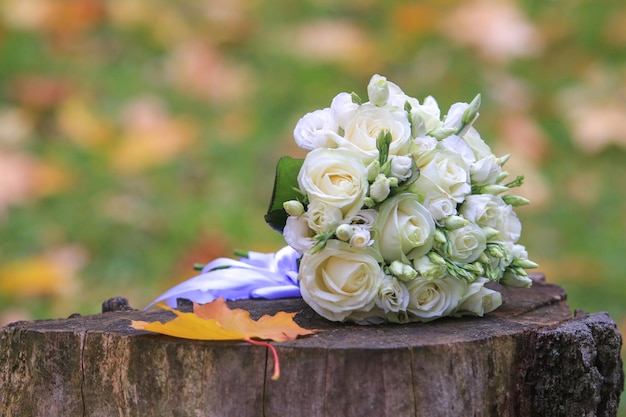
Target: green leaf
column 285, row 189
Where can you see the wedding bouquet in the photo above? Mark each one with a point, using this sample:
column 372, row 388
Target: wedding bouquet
column 399, row 213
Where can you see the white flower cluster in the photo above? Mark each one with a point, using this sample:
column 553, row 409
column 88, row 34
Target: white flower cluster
column 401, row 214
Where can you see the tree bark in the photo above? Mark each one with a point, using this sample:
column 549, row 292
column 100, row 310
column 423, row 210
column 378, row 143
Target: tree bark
column 528, row 358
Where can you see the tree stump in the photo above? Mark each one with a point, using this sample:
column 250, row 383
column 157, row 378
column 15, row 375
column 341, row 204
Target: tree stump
column 528, row 358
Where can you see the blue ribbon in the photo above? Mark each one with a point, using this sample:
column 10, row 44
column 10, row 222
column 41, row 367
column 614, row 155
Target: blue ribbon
column 259, row 275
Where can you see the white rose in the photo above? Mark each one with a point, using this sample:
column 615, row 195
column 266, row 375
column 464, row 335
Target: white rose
column 509, row 225
column 317, row 129
column 405, row 228
column 339, row 280
column 298, row 235
column 432, row 299
column 423, row 148
column 342, row 108
column 401, row 167
column 458, row 145
column 489, row 210
column 380, row 188
column 466, row 243
column 398, row 99
column 518, row 252
column 446, row 172
column 364, row 218
column 482, row 209
column 477, row 144
column 367, row 122
column 425, row 117
column 393, row 296
column 485, row 171
column 455, row 115
column 478, row 300
column 439, row 205
column 334, row 177
column 378, row 90
column 323, row 217
column 361, row 237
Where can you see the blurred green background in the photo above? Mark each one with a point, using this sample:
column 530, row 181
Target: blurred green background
column 138, row 137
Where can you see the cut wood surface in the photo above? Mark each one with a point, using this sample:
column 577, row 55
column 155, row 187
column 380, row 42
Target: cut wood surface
column 528, row 358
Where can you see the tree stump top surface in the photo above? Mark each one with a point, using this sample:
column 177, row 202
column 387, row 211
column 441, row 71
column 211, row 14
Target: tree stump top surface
column 541, row 305
column 530, row 358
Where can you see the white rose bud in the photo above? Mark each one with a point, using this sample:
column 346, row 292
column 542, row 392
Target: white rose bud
column 293, row 207
column 361, row 238
column 515, row 200
column 485, row 171
column 401, row 167
column 471, row 112
column 493, row 189
column 378, row 90
column 402, row 271
column 380, row 189
column 525, row 263
column 503, row 159
column 425, row 117
column 344, row 232
column 455, row 222
column 298, row 235
column 510, row 279
column 323, row 217
column 373, row 169
column 343, row 108
column 454, row 118
column 393, row 296
column 442, row 132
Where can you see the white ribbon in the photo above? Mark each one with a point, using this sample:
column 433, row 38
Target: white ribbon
column 260, row 275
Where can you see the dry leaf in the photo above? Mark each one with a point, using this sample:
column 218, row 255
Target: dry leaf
column 215, row 321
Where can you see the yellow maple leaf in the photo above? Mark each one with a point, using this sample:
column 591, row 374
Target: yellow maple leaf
column 215, row 321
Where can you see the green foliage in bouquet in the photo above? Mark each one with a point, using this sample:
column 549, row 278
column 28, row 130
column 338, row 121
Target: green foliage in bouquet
column 285, row 189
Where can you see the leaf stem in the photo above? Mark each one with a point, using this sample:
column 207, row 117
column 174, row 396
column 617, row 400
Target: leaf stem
column 276, row 374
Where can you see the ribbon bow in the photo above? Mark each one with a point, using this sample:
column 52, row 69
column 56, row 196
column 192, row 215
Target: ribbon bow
column 259, row 275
